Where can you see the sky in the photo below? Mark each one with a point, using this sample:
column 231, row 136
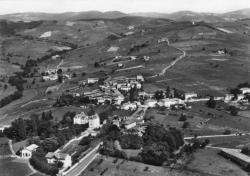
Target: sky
column 127, row 6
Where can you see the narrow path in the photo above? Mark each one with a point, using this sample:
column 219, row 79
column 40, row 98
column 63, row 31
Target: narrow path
column 220, row 135
column 172, row 63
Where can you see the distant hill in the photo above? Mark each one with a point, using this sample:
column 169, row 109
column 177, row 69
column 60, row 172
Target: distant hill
column 62, row 16
column 238, row 14
column 194, row 16
column 88, row 15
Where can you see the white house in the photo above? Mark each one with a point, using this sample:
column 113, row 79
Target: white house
column 150, row 103
column 146, row 58
column 50, row 77
column 140, row 78
column 119, row 99
column 131, row 27
column 94, row 121
column 129, row 124
column 129, row 105
column 113, row 49
column 62, row 157
column 129, row 33
column 163, row 40
column 221, row 51
column 119, row 65
column 80, row 119
column 190, row 95
column 55, row 57
column 3, row 127
column 167, row 102
column 245, row 90
column 240, row 96
column 27, row 151
column 92, row 80
column 125, row 88
column 228, row 97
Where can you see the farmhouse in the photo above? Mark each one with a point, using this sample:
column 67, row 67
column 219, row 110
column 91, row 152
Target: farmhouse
column 140, row 78
column 27, row 151
column 55, row 57
column 113, row 49
column 167, row 102
column 131, row 27
column 221, row 51
column 245, row 90
column 150, row 103
column 52, row 89
column 163, row 40
column 129, row 106
column 92, row 80
column 53, row 158
column 129, row 124
column 94, row 121
column 3, row 127
column 80, row 119
column 129, row 33
column 236, row 155
column 240, row 96
column 50, row 77
column 190, row 95
column 228, row 97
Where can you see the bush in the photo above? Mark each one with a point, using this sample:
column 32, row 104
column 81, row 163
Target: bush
column 41, row 165
column 185, row 125
column 226, row 132
column 211, row 103
column 131, row 141
column 182, row 118
column 233, row 110
column 86, row 140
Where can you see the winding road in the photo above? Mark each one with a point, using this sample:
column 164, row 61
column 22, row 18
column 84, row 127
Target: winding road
column 172, row 63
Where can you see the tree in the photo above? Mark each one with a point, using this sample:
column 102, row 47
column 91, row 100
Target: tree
column 83, row 73
column 59, row 71
column 233, row 110
column 103, row 116
column 131, row 141
column 159, row 94
column 133, row 94
column 96, row 64
column 182, row 118
column 21, row 128
column 86, row 140
column 211, row 103
column 74, row 75
column 35, row 123
column 185, row 125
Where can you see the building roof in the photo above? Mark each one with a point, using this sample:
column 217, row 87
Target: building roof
column 245, row 88
column 95, row 116
column 32, row 147
column 236, row 153
column 59, row 156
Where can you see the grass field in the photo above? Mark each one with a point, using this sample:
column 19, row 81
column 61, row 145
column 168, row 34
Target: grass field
column 230, row 142
column 108, row 166
column 14, row 167
column 4, row 147
column 208, row 161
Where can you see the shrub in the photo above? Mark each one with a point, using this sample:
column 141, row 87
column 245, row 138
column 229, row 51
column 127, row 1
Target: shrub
column 211, row 103
column 226, row 132
column 182, row 118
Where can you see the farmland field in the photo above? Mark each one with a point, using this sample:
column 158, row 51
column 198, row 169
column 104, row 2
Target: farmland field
column 208, row 161
column 14, row 167
column 119, row 167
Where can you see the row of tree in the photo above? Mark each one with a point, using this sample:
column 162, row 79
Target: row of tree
column 158, row 143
